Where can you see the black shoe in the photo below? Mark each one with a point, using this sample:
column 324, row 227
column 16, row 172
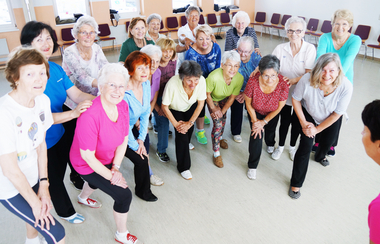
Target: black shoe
column 294, row 194
column 77, row 182
column 163, row 157
column 314, row 148
column 170, row 133
column 151, row 198
column 331, row 152
column 325, row 162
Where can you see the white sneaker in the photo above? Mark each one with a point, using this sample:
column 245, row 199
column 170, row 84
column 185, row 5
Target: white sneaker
column 292, row 152
column 186, row 175
column 251, row 174
column 127, row 239
column 277, row 153
column 237, row 138
column 270, row 149
column 156, row 181
column 92, row 203
column 191, row 146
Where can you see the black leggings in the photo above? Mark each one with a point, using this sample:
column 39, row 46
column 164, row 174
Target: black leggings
column 122, row 197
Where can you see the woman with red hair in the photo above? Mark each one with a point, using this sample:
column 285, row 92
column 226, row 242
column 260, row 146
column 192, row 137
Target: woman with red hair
column 137, row 96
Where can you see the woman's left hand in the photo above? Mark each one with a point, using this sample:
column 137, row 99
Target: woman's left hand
column 310, row 130
column 259, row 125
column 257, row 50
column 141, row 150
column 240, row 97
column 183, row 127
column 117, row 178
column 256, row 132
column 138, row 124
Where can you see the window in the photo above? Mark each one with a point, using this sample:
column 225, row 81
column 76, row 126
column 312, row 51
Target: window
column 183, row 3
column 224, row 2
column 7, row 21
column 126, row 8
column 66, row 9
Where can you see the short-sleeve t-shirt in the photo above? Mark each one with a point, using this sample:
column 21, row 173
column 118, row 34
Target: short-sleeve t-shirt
column 374, row 220
column 266, row 103
column 155, row 84
column 56, row 88
column 176, row 97
column 22, row 130
column 218, row 88
column 96, row 132
column 167, row 73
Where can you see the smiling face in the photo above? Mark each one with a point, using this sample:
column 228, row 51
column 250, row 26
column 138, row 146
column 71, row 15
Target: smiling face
column 269, row 77
column 167, row 55
column 154, row 26
column 86, row 36
column 203, row 41
column 138, row 31
column 44, row 43
column 295, row 28
column 329, row 73
column 142, row 73
column 240, row 25
column 33, row 79
column 230, row 68
column 113, row 90
column 193, row 19
column 190, row 82
column 245, row 51
column 340, row 27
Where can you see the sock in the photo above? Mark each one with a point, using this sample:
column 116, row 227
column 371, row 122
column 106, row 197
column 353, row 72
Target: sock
column 81, row 199
column 35, row 240
column 281, row 148
column 216, row 154
column 199, row 130
column 122, row 234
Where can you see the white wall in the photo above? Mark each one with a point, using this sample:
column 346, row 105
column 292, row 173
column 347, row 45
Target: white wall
column 365, row 13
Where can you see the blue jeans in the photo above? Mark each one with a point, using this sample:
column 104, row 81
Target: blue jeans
column 162, row 126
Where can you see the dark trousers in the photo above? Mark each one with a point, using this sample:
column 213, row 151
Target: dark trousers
column 58, row 156
column 301, row 159
column 317, row 138
column 255, row 145
column 141, row 171
column 236, row 117
column 182, row 140
column 122, row 197
column 287, row 118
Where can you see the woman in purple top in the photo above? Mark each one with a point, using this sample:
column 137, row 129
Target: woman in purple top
column 100, row 140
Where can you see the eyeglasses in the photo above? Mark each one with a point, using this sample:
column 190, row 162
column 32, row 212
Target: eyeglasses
column 85, row 33
column 243, row 52
column 115, row 87
column 237, row 66
column 290, row 31
column 267, row 77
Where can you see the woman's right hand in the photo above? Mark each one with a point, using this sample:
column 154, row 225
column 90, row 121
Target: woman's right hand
column 160, row 112
column 256, row 132
column 141, row 150
column 118, row 179
column 240, row 98
column 82, row 107
column 41, row 215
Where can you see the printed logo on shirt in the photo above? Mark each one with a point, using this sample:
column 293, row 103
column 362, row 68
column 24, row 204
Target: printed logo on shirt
column 42, row 116
column 59, row 80
column 32, row 132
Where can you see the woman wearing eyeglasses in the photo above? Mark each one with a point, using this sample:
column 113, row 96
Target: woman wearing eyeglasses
column 265, row 96
column 296, row 59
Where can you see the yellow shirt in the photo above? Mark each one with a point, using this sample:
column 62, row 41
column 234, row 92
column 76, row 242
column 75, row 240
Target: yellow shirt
column 177, row 99
column 218, row 87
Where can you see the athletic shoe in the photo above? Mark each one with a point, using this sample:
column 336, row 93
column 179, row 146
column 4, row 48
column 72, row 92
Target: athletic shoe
column 201, row 138
column 270, row 149
column 207, row 120
column 92, row 203
column 237, row 138
column 150, row 126
column 127, row 239
column 324, row 162
column 314, row 148
column 74, row 219
column 156, row 132
column 251, row 174
column 186, row 175
column 292, row 152
column 77, row 182
column 156, row 181
column 163, row 157
column 191, row 146
column 331, row 152
column 277, row 153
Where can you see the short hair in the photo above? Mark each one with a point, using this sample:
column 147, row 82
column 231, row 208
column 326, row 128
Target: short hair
column 269, row 62
column 32, row 29
column 241, row 14
column 134, row 59
column 322, row 61
column 22, row 56
column 343, row 14
column 295, row 19
column 189, row 68
column 134, row 22
column 246, row 39
column 203, row 28
column 166, row 43
column 191, row 9
column 231, row 55
column 152, row 17
column 151, row 50
column 371, row 119
column 84, row 20
column 110, row 69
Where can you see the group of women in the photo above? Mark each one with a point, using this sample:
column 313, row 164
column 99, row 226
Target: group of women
column 101, row 111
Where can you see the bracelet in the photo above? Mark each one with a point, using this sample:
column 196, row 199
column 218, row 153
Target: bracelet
column 191, row 122
column 45, row 178
column 266, row 122
column 117, row 166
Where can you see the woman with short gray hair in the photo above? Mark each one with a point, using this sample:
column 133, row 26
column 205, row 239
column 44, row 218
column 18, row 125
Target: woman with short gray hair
column 297, row 58
column 265, row 96
column 240, row 27
column 183, row 99
column 154, row 26
column 223, row 85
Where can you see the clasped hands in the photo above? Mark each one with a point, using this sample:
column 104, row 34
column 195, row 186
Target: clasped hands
column 216, row 113
column 309, row 129
column 117, row 178
column 257, row 128
column 183, row 126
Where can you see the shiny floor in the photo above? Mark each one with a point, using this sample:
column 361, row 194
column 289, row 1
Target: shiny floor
column 223, row 206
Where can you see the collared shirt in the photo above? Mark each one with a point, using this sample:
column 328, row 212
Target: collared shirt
column 232, row 38
column 176, row 97
column 218, row 88
column 293, row 67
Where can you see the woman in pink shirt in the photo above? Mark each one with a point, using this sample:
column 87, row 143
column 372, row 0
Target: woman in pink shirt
column 100, row 141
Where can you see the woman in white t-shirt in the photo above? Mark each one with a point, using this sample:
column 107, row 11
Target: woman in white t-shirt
column 26, row 116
